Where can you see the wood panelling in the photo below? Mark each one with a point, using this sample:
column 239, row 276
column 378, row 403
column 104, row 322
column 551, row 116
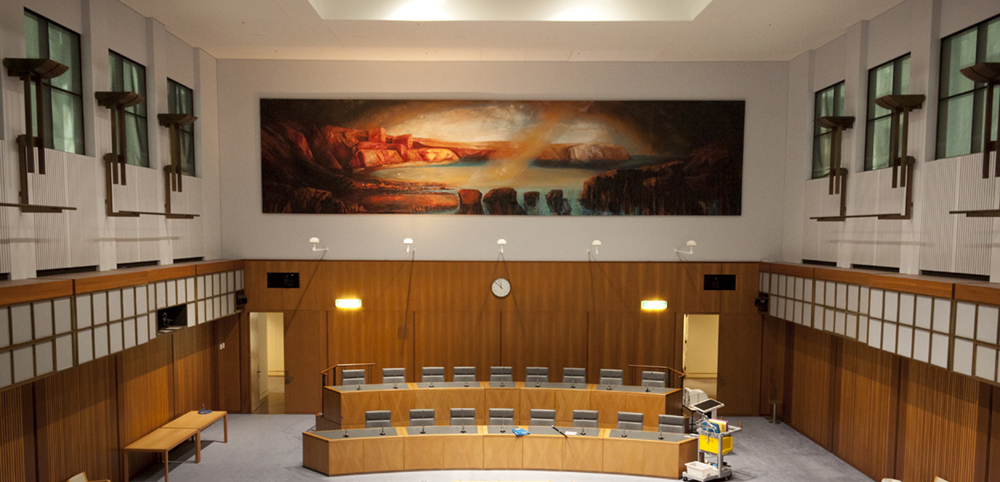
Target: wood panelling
column 979, row 293
column 740, row 301
column 810, row 408
column 368, row 336
column 214, row 267
column 772, row 364
column 171, row 272
column 145, row 394
column 656, row 340
column 610, row 343
column 842, row 275
column 77, row 412
column 22, row 291
column 449, row 339
column 800, row 270
column 866, row 428
column 12, row 435
column 305, row 358
column 91, row 282
column 994, row 454
column 229, row 381
column 544, row 339
column 739, row 362
column 942, row 425
column 195, row 369
column 694, row 298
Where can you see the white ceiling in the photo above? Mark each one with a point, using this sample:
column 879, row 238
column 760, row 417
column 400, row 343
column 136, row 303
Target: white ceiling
column 726, row 30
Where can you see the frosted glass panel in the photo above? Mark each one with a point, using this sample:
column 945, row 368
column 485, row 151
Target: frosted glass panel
column 101, row 341
column 114, row 305
column 161, row 295
column 43, row 319
column 5, row 370
column 141, row 300
column 231, row 286
column 43, row 359
column 217, row 304
column 986, row 330
column 875, row 333
column 852, row 326
column 865, row 295
column 764, row 282
column 4, row 327
column 853, row 296
column 939, row 350
column 100, row 301
column 965, row 320
column 189, row 282
column 239, row 279
column 172, row 293
column 190, row 315
column 798, row 288
column 820, row 292
column 986, row 362
column 889, row 337
column 201, row 310
column 201, row 287
column 841, row 296
column 904, row 345
column 841, row 323
column 906, row 304
column 797, row 312
column 781, row 308
column 152, row 325
column 116, row 337
column 83, row 314
column 216, row 284
column 922, row 345
column 782, row 284
column 831, row 294
column 64, row 352
column 963, row 357
column 85, row 346
column 20, row 320
column 24, row 364
column 128, row 302
column 891, row 306
column 828, row 320
column 141, row 330
column 807, row 290
column 923, row 313
column 181, row 292
column 129, row 328
column 231, row 304
column 942, row 315
column 863, row 329
column 62, row 312
column 875, row 311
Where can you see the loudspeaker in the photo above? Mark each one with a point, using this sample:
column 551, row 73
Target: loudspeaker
column 761, row 302
column 241, row 300
column 282, row 280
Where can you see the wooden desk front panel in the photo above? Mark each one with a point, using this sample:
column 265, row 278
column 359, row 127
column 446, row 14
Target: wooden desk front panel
column 569, row 400
column 381, row 454
column 501, row 398
column 583, row 454
column 543, row 452
column 423, row 452
column 354, row 404
column 502, row 452
column 649, row 405
column 347, row 457
column 537, row 398
column 608, row 404
column 462, row 452
column 400, row 402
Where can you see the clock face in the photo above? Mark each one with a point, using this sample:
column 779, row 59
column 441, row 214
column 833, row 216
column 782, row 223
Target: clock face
column 500, row 287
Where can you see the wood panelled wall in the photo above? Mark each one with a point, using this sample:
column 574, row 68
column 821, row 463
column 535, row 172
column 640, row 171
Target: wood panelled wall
column 77, row 420
column 885, row 415
column 559, row 314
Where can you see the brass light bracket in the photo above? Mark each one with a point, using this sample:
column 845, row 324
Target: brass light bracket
column 174, row 179
column 988, row 73
column 838, row 174
column 115, row 161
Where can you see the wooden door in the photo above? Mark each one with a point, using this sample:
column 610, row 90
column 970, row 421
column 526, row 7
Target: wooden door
column 305, row 358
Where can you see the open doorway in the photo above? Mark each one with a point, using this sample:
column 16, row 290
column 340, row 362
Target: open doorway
column 701, row 353
column 267, row 363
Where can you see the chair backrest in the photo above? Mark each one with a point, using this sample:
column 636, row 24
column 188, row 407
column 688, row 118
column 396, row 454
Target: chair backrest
column 501, row 416
column 465, row 374
column 378, row 418
column 541, row 416
column 537, row 375
column 501, row 374
column 81, row 477
column 611, row 376
column 629, row 421
column 421, row 416
column 585, row 418
column 673, row 423
column 432, row 374
column 463, row 416
column 352, row 377
column 654, row 379
column 574, row 375
column 393, row 375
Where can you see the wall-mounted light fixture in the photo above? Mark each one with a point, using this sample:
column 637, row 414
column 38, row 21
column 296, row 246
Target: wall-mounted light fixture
column 596, row 244
column 348, row 303
column 501, row 242
column 409, row 243
column 690, row 251
column 653, row 305
column 314, row 242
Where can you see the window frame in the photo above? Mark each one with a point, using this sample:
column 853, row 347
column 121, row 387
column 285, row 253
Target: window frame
column 820, row 132
column 45, row 26
column 119, row 59
column 978, row 92
column 185, row 130
column 872, row 109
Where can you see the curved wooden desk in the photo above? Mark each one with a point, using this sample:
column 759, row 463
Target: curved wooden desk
column 405, row 449
column 344, row 406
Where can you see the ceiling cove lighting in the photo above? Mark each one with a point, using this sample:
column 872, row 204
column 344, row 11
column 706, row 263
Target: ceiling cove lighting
column 347, row 303
column 511, row 10
column 653, row 305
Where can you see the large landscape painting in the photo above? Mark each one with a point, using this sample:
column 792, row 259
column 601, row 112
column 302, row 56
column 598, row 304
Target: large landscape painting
column 561, row 158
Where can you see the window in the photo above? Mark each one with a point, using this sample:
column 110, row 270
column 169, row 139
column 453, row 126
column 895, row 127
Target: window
column 129, row 76
column 829, row 102
column 962, row 106
column 890, row 78
column 62, row 96
column 181, row 101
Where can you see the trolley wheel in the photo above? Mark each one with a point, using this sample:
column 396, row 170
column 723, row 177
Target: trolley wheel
column 685, row 479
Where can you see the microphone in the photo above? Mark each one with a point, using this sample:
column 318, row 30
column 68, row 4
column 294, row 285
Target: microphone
column 502, row 427
column 383, row 431
column 537, row 384
column 346, row 434
column 423, row 428
column 647, row 389
column 624, row 433
column 560, row 431
column 466, row 383
column 359, row 387
column 661, row 434
column 395, row 385
column 609, row 387
column 584, row 431
column 573, row 385
column 432, row 384
column 463, row 428
column 501, row 384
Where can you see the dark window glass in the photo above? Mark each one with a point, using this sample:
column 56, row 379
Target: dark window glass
column 829, row 102
column 181, row 101
column 62, row 96
column 890, row 78
column 127, row 75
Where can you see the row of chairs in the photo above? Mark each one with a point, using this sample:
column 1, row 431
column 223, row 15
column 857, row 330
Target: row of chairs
column 505, row 416
column 504, row 374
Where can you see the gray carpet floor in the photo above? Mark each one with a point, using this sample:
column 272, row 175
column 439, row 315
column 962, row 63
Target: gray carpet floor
column 269, row 448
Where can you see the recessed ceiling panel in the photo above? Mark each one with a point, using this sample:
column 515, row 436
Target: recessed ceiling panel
column 511, row 10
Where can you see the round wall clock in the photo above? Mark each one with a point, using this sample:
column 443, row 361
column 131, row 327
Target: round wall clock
column 500, row 287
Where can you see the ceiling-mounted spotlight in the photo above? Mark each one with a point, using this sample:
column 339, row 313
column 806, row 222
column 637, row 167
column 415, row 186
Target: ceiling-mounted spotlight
column 596, row 244
column 501, row 242
column 314, row 241
column 408, row 242
column 690, row 244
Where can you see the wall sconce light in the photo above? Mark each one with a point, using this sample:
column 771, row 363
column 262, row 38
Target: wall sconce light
column 596, row 244
column 653, row 305
column 408, row 242
column 347, row 303
column 314, row 242
column 501, row 242
column 690, row 251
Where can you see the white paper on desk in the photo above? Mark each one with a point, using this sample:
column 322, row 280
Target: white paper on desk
column 570, row 433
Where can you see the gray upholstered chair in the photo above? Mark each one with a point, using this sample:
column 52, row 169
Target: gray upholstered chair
column 585, row 418
column 432, row 374
column 574, row 375
column 654, row 379
column 501, row 416
column 378, row 418
column 629, row 421
column 541, row 416
column 463, row 416
column 420, row 417
column 501, row 374
column 611, row 376
column 352, row 377
column 393, row 375
column 673, row 423
column 464, row 374
column 536, row 375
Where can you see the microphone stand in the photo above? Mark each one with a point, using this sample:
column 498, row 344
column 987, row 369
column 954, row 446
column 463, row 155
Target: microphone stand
column 383, row 431
column 560, row 431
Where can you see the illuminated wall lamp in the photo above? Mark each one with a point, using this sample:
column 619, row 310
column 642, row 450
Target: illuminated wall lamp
column 653, row 305
column 347, row 303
